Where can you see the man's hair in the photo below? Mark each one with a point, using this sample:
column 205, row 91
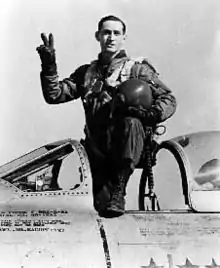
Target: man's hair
column 114, row 18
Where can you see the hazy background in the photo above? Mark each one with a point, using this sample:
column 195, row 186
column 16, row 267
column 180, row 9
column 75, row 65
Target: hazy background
column 180, row 37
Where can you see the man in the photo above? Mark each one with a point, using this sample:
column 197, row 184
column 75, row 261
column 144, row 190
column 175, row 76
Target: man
column 114, row 137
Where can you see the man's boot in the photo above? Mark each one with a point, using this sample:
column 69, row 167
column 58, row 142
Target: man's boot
column 102, row 197
column 116, row 206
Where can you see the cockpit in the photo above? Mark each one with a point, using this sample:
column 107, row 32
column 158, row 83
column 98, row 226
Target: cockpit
column 186, row 174
column 54, row 167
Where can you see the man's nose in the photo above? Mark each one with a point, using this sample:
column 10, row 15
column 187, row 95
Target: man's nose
column 112, row 36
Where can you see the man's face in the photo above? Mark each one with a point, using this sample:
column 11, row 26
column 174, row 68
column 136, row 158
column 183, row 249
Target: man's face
column 111, row 36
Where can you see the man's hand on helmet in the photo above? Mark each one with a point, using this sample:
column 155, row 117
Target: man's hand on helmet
column 149, row 116
column 47, row 54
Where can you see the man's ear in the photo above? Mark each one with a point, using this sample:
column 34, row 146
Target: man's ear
column 97, row 36
column 125, row 37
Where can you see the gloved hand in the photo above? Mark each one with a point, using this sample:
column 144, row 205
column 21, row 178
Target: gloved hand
column 95, row 101
column 47, row 54
column 148, row 117
column 118, row 106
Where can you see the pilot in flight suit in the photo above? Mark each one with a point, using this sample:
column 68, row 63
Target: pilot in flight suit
column 114, row 136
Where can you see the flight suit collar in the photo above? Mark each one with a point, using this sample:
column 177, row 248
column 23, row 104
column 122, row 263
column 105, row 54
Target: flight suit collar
column 120, row 55
column 108, row 68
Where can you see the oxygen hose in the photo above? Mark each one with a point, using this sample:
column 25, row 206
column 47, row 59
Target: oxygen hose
column 149, row 170
column 151, row 194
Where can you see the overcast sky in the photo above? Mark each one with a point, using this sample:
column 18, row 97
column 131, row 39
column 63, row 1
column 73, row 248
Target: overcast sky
column 181, row 38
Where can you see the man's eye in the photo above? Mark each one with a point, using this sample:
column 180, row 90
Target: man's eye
column 117, row 33
column 106, row 32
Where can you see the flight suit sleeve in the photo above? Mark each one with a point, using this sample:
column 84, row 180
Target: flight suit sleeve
column 59, row 91
column 164, row 101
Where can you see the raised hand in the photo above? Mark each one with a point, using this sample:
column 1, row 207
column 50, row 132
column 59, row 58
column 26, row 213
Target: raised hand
column 48, row 42
column 47, row 51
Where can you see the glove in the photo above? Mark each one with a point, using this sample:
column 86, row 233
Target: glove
column 118, row 106
column 95, row 101
column 148, row 117
column 47, row 54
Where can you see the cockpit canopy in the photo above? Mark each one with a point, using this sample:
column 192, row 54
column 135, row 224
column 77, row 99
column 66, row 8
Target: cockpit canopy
column 53, row 167
column 188, row 171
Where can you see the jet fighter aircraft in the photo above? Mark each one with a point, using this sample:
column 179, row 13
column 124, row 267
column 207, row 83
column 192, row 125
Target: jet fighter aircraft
column 47, row 218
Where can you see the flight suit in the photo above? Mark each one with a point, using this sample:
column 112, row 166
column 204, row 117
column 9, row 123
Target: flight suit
column 114, row 143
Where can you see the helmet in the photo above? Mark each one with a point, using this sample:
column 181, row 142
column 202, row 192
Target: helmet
column 136, row 93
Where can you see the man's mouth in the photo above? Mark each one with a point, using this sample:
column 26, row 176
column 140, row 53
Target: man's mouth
column 110, row 45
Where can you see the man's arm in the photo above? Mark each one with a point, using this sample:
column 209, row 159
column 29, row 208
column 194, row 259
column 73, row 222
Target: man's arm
column 164, row 100
column 55, row 91
column 164, row 104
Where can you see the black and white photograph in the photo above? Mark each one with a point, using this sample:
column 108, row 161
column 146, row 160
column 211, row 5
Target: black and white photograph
column 110, row 134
